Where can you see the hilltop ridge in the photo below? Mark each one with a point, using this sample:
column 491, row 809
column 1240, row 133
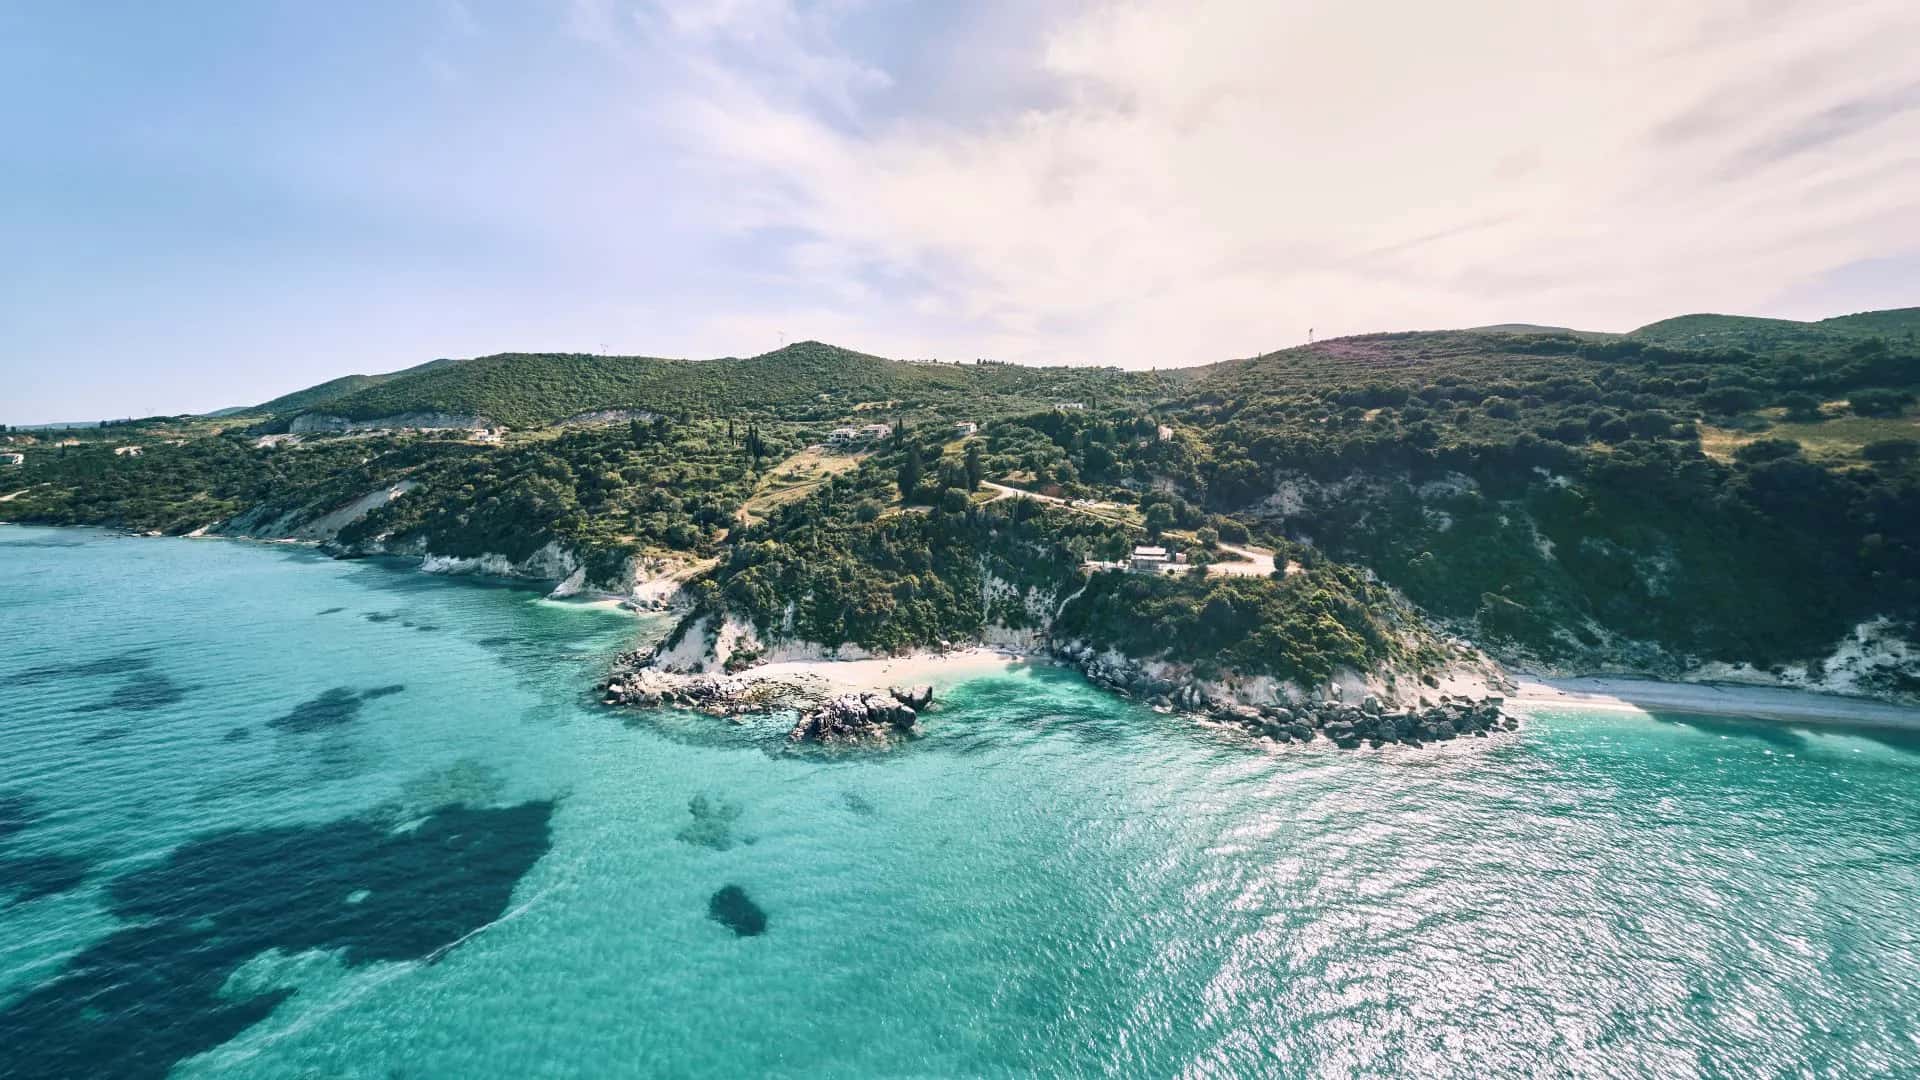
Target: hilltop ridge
column 807, row 379
column 1707, row 494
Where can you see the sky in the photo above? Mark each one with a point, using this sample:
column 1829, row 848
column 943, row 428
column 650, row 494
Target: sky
column 209, row 204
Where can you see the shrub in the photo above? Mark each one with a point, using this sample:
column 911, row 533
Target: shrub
column 1891, row 451
column 1879, row 402
column 1766, row 450
column 1801, row 408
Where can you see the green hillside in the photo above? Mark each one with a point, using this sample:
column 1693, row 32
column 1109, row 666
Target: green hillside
column 1899, row 323
column 1707, row 488
column 807, row 380
column 1536, row 328
column 1761, row 335
column 333, row 389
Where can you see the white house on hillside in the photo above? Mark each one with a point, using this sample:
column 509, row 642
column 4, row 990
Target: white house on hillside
column 1150, row 559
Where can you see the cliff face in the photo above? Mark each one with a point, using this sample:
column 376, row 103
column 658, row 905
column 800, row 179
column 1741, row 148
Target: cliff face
column 1089, row 620
column 310, row 523
column 1567, row 574
column 649, row 582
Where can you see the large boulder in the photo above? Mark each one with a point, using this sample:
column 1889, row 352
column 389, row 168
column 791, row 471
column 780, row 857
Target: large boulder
column 853, row 717
column 914, row 697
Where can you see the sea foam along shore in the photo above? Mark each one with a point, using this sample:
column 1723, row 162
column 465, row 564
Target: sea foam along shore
column 1620, row 694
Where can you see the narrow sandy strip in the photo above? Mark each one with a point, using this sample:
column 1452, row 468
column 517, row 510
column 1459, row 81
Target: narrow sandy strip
column 940, row 669
column 1761, row 702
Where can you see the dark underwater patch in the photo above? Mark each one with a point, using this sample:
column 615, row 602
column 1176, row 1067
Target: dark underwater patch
column 712, row 825
column 106, row 735
column 381, row 616
column 733, row 908
column 43, row 543
column 331, row 709
column 124, row 663
column 857, row 804
column 494, row 642
column 141, row 693
column 29, row 877
column 466, row 782
column 16, row 814
column 331, row 611
column 148, row 995
column 237, row 734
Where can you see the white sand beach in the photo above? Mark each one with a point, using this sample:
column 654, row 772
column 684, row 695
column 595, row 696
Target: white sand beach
column 939, row 669
column 1622, row 694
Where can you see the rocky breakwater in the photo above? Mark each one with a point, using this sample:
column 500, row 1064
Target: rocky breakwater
column 1372, row 721
column 862, row 717
column 823, row 715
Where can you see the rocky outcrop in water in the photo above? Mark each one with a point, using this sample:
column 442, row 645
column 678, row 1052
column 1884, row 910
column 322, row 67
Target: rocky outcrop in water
column 732, row 908
column 1371, row 722
column 824, row 716
column 829, row 716
column 855, row 718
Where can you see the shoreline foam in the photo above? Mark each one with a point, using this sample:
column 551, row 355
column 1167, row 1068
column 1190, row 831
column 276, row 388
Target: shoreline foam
column 1624, row 694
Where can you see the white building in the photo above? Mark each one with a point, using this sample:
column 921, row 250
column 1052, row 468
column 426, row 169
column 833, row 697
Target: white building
column 841, row 436
column 876, row 431
column 1069, row 406
column 13, row 459
column 1151, row 560
column 965, row 428
column 126, row 451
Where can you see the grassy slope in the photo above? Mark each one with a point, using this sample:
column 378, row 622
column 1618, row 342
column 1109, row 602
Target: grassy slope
column 806, row 380
column 333, row 389
column 1759, row 335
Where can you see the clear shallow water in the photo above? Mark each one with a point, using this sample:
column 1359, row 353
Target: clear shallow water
column 229, row 846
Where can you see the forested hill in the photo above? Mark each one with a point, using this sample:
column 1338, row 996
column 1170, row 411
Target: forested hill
column 1899, row 326
column 1707, row 490
column 334, row 389
column 806, row 380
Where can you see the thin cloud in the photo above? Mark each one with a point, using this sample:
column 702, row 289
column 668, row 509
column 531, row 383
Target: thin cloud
column 1213, row 173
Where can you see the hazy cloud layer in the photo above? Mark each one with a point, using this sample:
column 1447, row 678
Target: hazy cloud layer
column 209, row 211
column 1217, row 177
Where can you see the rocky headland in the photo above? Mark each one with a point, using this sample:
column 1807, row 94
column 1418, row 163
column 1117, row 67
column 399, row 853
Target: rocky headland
column 825, row 710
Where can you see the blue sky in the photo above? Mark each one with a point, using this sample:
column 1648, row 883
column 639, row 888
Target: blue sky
column 211, row 204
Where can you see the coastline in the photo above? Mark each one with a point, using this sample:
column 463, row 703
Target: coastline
column 1613, row 693
column 936, row 668
column 1608, row 693
column 547, row 586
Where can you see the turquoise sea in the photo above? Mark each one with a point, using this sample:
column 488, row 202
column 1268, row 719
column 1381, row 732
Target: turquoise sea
column 267, row 814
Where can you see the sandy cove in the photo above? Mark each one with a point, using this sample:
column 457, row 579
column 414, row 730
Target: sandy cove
column 1605, row 693
column 1620, row 694
column 852, row 676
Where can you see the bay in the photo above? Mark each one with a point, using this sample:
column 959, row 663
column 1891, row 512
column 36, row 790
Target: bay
column 263, row 813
